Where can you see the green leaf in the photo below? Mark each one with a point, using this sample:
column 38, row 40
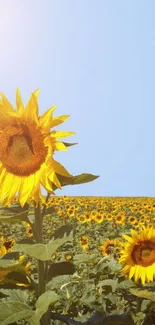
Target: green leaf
column 13, row 312
column 144, row 304
column 44, row 301
column 126, row 284
column 49, row 210
column 14, row 209
column 16, row 295
column 13, row 272
column 14, row 214
column 74, row 180
column 61, row 231
column 110, row 282
column 8, row 263
column 60, row 268
column 11, row 256
column 143, row 294
column 14, row 307
column 82, row 258
column 69, row 144
column 84, row 178
column 41, row 251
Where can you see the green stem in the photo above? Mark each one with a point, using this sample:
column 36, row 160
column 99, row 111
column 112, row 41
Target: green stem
column 39, row 239
column 41, row 265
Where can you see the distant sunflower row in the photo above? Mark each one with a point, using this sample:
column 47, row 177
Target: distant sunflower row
column 136, row 253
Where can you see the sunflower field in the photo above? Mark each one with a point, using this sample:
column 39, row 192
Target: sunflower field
column 104, row 261
column 72, row 260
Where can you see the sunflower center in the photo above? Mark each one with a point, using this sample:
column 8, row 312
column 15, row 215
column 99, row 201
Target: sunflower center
column 22, row 149
column 144, row 253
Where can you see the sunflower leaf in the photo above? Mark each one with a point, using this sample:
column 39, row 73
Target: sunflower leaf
column 13, row 311
column 12, row 272
column 41, row 251
column 74, row 180
column 14, row 214
column 69, row 144
column 60, row 268
column 143, row 294
column 44, row 301
column 110, row 282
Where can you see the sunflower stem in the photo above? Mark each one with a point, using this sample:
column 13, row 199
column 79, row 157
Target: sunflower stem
column 39, row 239
column 41, row 265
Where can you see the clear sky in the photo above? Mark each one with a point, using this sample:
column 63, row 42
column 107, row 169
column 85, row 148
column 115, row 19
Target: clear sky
column 95, row 59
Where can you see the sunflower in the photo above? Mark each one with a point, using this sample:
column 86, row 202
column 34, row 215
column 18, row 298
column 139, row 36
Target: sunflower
column 138, row 255
column 84, row 241
column 24, row 261
column 99, row 218
column 107, row 247
column 120, row 218
column 109, row 217
column 132, row 220
column 70, row 212
column 68, row 256
column 27, row 145
column 81, row 218
column 8, row 244
column 28, row 229
column 87, row 216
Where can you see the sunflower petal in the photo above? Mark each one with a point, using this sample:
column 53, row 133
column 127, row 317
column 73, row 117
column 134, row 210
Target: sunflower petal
column 26, row 188
column 6, row 104
column 61, row 134
column 46, row 119
column 31, row 110
column 59, row 146
column 58, row 120
column 19, row 103
column 53, row 178
column 36, row 93
column 59, row 169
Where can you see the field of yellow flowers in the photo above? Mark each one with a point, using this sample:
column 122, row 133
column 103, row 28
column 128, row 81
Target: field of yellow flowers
column 108, row 265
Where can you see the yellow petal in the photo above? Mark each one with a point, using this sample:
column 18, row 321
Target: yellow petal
column 128, row 238
column 59, row 169
column 132, row 271
column 19, row 103
column 58, row 120
column 59, row 146
column 61, row 134
column 13, row 189
column 26, row 189
column 6, row 184
column 143, row 275
column 6, row 104
column 46, row 119
column 45, row 182
column 36, row 93
column 31, row 111
column 53, row 178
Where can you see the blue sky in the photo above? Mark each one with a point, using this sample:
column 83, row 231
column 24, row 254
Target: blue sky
column 95, row 59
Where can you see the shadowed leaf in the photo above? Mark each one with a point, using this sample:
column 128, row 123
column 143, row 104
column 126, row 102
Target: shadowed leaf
column 60, row 232
column 60, row 268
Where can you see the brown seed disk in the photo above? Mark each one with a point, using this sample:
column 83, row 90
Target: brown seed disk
column 22, row 149
column 144, row 253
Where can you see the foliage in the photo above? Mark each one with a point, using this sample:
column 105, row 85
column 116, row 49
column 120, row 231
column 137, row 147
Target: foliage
column 79, row 280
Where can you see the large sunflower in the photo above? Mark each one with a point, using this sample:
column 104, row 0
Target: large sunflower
column 27, row 145
column 138, row 255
